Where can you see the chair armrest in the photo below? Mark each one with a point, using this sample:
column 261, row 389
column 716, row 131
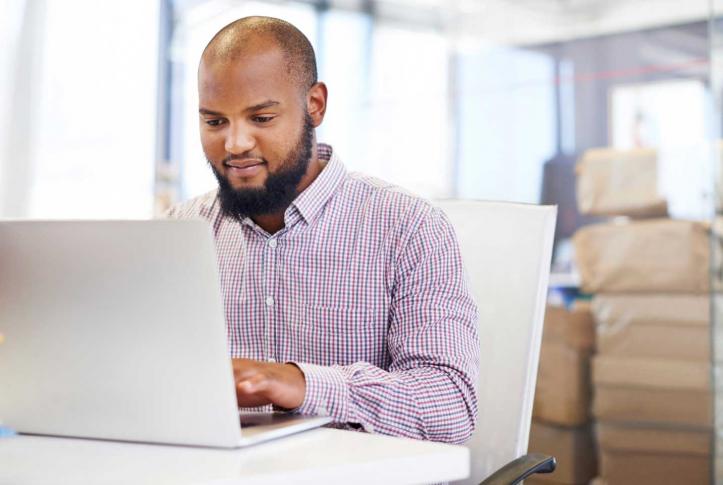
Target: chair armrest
column 521, row 468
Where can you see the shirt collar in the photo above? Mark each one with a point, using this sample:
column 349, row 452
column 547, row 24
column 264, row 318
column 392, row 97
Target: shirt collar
column 312, row 200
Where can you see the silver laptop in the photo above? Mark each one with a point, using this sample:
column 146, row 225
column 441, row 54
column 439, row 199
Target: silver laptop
column 115, row 330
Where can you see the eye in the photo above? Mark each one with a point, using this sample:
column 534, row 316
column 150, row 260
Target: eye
column 263, row 119
column 214, row 122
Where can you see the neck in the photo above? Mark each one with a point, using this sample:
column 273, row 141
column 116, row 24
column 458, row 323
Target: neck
column 271, row 223
column 274, row 222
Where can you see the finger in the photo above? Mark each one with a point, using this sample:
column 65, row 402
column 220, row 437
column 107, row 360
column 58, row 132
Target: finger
column 245, row 374
column 246, row 394
column 253, row 384
column 251, row 401
column 245, row 368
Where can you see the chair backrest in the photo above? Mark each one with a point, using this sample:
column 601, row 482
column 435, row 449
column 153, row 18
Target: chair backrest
column 506, row 249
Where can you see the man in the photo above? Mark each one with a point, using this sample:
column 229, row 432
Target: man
column 343, row 295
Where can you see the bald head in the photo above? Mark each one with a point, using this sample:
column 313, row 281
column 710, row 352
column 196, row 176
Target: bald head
column 250, row 35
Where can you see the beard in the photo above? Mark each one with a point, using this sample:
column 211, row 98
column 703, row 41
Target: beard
column 280, row 187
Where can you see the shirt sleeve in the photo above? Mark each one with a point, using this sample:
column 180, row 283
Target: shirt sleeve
column 429, row 391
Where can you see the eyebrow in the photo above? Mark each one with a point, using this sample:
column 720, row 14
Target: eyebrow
column 256, row 107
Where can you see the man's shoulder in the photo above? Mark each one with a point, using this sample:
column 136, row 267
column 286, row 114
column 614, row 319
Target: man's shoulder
column 387, row 198
column 204, row 206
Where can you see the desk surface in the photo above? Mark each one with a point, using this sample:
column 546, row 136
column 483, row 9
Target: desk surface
column 318, row 456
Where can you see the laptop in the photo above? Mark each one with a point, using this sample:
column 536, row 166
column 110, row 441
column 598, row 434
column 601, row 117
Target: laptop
column 115, row 330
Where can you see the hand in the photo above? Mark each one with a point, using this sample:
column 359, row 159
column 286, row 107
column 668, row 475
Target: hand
column 260, row 383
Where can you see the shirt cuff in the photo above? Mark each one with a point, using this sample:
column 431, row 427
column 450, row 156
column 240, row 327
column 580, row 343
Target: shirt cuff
column 327, row 392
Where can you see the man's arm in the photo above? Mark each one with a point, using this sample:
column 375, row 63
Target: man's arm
column 429, row 390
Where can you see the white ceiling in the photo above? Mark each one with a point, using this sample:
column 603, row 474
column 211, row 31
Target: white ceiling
column 538, row 21
column 517, row 21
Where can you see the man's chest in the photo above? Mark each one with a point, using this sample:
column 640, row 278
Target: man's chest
column 319, row 296
column 339, row 268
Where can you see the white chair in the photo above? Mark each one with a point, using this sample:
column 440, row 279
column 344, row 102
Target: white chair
column 506, row 249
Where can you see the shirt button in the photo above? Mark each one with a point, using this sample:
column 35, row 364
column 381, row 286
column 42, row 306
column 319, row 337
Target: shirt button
column 273, row 243
column 269, row 301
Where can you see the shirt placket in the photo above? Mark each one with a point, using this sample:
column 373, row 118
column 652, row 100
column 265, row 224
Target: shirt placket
column 270, row 296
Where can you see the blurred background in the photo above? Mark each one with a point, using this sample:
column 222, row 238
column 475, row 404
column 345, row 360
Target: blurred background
column 610, row 109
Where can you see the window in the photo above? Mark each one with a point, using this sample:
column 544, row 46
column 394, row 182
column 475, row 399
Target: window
column 94, row 124
column 670, row 116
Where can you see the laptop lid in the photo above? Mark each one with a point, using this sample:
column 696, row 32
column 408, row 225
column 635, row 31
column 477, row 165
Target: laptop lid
column 114, row 330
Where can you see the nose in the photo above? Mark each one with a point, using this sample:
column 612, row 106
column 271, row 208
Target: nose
column 238, row 139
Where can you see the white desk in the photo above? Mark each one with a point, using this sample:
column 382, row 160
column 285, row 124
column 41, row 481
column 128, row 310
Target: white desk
column 319, row 456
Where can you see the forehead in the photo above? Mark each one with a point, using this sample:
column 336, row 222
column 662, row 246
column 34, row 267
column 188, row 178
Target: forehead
column 244, row 79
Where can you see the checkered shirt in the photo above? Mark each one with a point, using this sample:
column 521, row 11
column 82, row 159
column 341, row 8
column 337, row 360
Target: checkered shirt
column 363, row 289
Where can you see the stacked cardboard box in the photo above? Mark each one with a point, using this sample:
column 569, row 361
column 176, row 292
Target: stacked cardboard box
column 561, row 414
column 651, row 374
column 656, row 454
column 652, row 388
column 613, row 182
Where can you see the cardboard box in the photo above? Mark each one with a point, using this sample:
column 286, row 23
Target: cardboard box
column 656, row 341
column 622, row 468
column 574, row 449
column 563, row 391
column 651, row 309
column 651, row 373
column 653, row 406
column 650, row 256
column 649, row 455
column 619, row 182
column 674, row 326
column 574, row 327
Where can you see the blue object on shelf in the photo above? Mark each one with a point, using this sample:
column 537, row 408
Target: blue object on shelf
column 6, row 432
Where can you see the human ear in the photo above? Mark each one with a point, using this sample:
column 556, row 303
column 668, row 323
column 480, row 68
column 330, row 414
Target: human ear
column 316, row 102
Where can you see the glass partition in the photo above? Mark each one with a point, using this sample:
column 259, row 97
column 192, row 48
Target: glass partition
column 716, row 157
